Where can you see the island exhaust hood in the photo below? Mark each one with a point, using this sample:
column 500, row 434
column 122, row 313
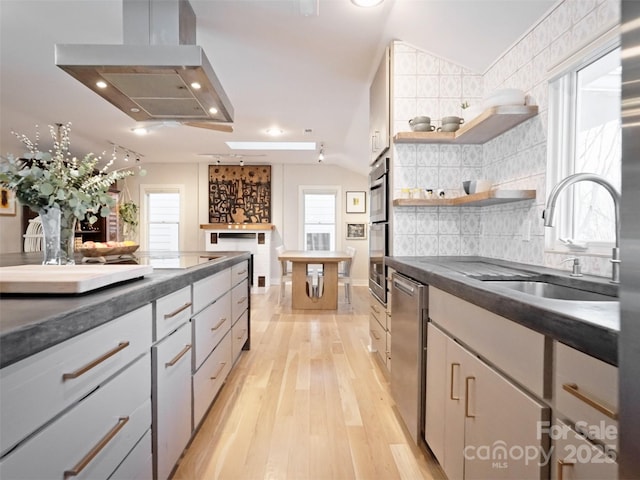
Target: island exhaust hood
column 159, row 73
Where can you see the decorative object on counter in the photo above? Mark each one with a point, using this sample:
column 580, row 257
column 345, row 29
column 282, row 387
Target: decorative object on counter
column 239, row 194
column 99, row 251
column 421, row 124
column 55, row 181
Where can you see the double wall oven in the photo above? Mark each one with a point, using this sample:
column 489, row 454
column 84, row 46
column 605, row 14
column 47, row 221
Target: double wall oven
column 379, row 227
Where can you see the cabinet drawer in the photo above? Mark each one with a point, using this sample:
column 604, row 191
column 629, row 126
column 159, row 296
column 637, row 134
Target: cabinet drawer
column 210, row 377
column 586, row 392
column 139, row 463
column 209, row 326
column 388, row 352
column 378, row 339
column 239, row 335
column 115, row 416
column 578, row 458
column 172, row 311
column 211, row 288
column 35, row 389
column 239, row 299
column 239, row 272
column 517, row 350
column 377, row 310
column 171, row 364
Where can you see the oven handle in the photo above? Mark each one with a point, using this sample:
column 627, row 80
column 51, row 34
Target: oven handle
column 376, row 183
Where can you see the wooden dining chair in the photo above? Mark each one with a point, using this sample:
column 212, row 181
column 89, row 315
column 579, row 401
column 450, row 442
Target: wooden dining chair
column 344, row 273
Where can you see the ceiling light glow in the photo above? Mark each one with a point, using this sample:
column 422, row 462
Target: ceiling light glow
column 271, row 145
column 213, row 110
column 274, row 131
column 366, row 3
column 196, row 86
column 101, row 84
column 140, row 131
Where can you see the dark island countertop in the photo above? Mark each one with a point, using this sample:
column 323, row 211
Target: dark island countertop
column 591, row 327
column 32, row 323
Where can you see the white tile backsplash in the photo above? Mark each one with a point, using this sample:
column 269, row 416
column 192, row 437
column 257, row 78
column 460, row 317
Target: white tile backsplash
column 515, row 160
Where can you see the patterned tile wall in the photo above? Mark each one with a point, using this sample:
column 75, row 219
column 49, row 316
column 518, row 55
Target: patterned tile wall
column 427, row 85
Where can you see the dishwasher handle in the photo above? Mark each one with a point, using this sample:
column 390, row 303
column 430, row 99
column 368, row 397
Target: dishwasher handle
column 405, row 286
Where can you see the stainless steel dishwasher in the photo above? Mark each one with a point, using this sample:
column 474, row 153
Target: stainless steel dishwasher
column 409, row 313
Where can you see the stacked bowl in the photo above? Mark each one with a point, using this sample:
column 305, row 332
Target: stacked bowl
column 450, row 124
column 421, row 124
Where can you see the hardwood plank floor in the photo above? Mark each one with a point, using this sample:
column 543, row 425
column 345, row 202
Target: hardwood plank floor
column 308, row 401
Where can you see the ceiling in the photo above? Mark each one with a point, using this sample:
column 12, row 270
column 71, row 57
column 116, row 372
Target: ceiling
column 278, row 67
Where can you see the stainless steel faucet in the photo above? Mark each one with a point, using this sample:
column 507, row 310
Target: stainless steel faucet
column 589, row 177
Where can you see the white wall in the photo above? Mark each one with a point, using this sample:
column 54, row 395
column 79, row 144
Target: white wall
column 517, row 159
column 11, row 240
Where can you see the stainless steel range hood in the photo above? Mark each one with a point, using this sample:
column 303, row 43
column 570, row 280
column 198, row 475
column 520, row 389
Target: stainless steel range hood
column 155, row 74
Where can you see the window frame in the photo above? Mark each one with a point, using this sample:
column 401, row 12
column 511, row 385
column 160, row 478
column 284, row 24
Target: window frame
column 334, row 190
column 145, row 190
column 561, row 146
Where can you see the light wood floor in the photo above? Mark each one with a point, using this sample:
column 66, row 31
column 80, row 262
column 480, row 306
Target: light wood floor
column 308, row 401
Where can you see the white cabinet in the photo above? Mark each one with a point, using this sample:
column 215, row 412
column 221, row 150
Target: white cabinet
column 172, row 311
column 476, row 417
column 239, row 335
column 209, row 327
column 379, row 331
column 209, row 378
column 380, row 107
column 171, row 361
column 91, row 439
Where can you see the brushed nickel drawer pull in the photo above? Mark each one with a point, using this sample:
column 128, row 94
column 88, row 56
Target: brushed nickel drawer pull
column 561, row 465
column 242, row 272
column 466, row 395
column 97, row 361
column 375, row 334
column 219, row 324
column 176, row 312
column 242, row 334
column 573, row 389
column 375, row 308
column 453, row 365
column 122, row 421
column 242, row 300
column 178, row 357
column 215, row 377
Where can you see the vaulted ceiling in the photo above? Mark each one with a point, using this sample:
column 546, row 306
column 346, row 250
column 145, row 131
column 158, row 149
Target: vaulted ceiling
column 307, row 75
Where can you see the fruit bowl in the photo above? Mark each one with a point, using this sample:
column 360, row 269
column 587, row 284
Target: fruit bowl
column 106, row 250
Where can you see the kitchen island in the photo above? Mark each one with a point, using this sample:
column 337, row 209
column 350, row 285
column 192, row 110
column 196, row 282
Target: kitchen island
column 127, row 371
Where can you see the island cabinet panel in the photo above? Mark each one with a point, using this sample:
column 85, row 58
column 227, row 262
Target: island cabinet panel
column 239, row 272
column 139, row 463
column 171, row 363
column 210, row 289
column 91, row 439
column 239, row 335
column 209, row 378
column 36, row 389
column 172, row 311
column 239, row 299
column 209, row 327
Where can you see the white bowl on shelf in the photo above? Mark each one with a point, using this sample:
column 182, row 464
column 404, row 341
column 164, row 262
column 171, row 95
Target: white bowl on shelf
column 478, row 186
column 505, row 96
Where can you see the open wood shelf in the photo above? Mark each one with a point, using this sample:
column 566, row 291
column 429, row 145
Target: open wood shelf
column 482, row 199
column 491, row 123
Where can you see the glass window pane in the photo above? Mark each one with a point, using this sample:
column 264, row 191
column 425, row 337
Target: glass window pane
column 319, row 221
column 164, row 221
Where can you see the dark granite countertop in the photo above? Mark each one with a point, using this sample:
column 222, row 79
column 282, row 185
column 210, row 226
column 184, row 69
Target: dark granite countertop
column 32, row 323
column 591, row 327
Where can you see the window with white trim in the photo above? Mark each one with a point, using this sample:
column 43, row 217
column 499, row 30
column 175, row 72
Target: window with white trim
column 585, row 136
column 163, row 221
column 319, row 219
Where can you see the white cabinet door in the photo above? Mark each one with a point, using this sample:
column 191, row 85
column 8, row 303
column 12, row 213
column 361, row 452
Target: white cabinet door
column 457, row 358
column 379, row 107
column 171, row 399
column 436, row 387
column 503, row 435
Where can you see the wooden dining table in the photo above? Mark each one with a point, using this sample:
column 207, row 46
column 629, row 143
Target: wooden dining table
column 302, row 296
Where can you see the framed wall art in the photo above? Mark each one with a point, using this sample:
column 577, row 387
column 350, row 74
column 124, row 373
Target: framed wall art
column 356, row 231
column 356, row 202
column 239, row 194
column 7, row 202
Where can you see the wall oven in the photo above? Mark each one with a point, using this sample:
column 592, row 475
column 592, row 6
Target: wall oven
column 379, row 227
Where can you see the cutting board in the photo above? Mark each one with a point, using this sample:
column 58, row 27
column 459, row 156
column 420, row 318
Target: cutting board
column 66, row 279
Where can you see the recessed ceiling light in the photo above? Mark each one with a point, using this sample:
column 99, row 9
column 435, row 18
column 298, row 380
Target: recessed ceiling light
column 196, row 86
column 134, row 109
column 274, row 131
column 366, row 3
column 101, row 84
column 271, row 145
column 213, row 110
column 140, row 131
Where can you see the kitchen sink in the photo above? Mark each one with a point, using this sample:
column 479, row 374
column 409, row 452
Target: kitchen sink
column 551, row 290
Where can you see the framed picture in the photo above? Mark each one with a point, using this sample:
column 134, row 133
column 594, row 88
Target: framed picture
column 7, row 202
column 356, row 202
column 356, row 231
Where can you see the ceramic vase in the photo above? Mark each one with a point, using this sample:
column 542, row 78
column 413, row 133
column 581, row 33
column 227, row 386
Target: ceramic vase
column 58, row 229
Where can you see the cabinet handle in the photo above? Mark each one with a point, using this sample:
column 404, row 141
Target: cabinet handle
column 215, row 377
column 573, row 389
column 561, row 465
column 176, row 312
column 122, row 421
column 466, row 399
column 453, row 365
column 219, row 324
column 375, row 334
column 178, row 357
column 97, row 361
column 242, row 272
column 242, row 300
column 375, row 308
column 242, row 334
